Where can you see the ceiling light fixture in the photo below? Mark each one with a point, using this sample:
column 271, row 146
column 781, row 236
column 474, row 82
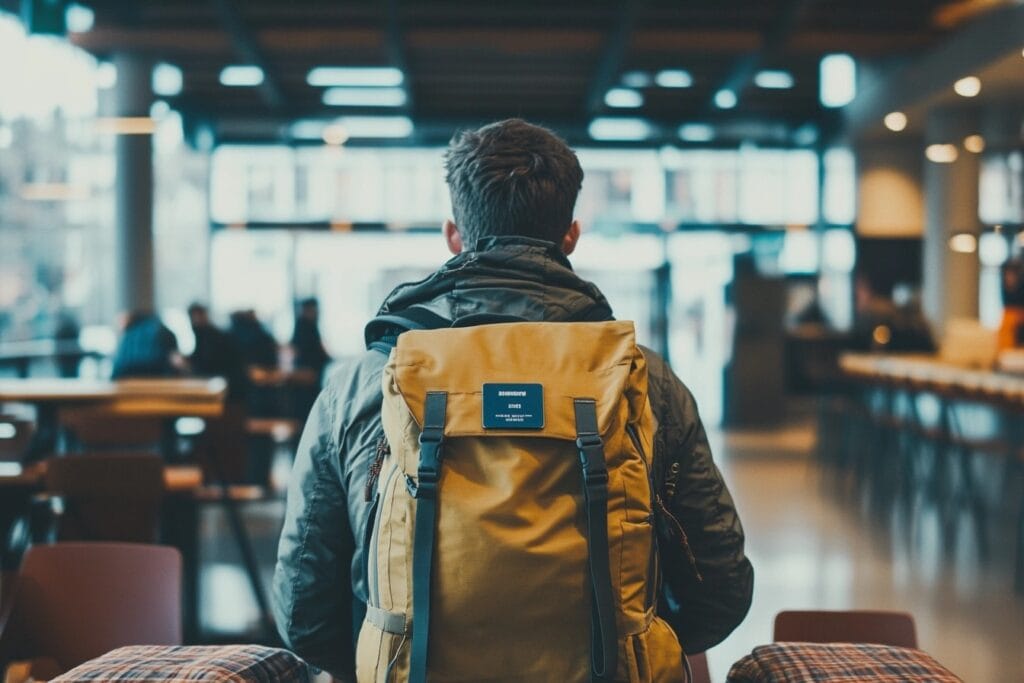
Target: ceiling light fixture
column 838, row 79
column 697, row 132
column 636, row 79
column 367, row 76
column 673, row 78
column 968, row 86
column 167, row 80
column 941, row 154
column 774, row 80
column 241, row 76
column 896, row 121
column 726, row 99
column 975, row 144
column 963, row 243
column 616, row 129
column 623, row 98
column 364, row 97
column 335, row 134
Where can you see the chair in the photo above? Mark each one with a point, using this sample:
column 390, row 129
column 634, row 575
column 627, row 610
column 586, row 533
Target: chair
column 107, row 497
column 101, row 429
column 854, row 626
column 15, row 437
column 699, row 668
column 75, row 601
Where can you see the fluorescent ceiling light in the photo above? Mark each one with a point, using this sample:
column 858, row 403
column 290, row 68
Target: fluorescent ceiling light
column 774, row 80
column 106, row 75
column 352, row 127
column 895, row 121
column 377, row 126
column 636, row 79
column 623, row 98
column 673, row 78
column 725, row 99
column 697, row 132
column 373, row 76
column 838, row 76
column 941, row 154
column 241, row 75
column 78, row 18
column 364, row 97
column 619, row 129
column 975, row 144
column 969, row 86
column 167, row 80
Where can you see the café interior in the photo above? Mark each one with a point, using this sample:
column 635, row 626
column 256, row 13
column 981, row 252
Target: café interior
column 813, row 210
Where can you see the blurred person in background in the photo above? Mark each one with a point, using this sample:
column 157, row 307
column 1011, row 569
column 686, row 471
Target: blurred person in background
column 256, row 346
column 147, row 348
column 216, row 353
column 66, row 336
column 883, row 324
column 309, row 347
column 1011, row 329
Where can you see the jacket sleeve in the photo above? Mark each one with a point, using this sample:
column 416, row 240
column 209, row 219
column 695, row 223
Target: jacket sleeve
column 707, row 579
column 311, row 599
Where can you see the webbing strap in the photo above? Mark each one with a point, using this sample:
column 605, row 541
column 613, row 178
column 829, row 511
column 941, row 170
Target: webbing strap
column 424, row 490
column 604, row 647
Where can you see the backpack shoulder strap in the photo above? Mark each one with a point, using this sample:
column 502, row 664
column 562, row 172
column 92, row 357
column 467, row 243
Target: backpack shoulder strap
column 382, row 332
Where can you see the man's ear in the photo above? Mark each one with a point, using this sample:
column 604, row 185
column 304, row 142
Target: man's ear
column 452, row 237
column 571, row 238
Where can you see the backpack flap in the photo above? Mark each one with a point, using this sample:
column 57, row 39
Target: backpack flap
column 570, row 361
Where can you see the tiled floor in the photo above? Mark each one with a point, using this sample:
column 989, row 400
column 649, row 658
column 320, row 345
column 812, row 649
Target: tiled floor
column 814, row 548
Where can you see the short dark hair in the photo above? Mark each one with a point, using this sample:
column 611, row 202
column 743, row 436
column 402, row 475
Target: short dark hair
column 512, row 178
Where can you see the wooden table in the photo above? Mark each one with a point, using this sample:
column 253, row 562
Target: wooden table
column 141, row 398
column 163, row 397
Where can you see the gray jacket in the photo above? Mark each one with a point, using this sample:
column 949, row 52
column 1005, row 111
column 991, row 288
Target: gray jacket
column 320, row 581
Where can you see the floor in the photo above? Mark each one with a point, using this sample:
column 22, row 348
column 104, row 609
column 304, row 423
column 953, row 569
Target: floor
column 814, row 545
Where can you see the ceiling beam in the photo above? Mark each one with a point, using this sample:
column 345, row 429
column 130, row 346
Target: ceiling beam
column 612, row 59
column 248, row 50
column 773, row 42
column 396, row 50
column 979, row 44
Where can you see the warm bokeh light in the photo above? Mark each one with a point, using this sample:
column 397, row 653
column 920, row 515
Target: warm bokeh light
column 941, row 154
column 969, row 86
column 975, row 144
column 896, row 121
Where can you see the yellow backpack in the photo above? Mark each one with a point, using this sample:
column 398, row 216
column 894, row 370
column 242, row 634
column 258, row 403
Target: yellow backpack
column 513, row 538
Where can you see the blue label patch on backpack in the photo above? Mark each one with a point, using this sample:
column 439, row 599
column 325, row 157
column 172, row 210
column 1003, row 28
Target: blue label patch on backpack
column 513, row 406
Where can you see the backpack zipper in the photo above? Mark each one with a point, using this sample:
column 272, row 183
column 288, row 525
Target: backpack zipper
column 383, row 450
column 654, row 584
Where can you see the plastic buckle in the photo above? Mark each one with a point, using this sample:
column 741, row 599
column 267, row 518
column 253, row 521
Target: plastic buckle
column 425, row 485
column 431, row 435
column 588, row 441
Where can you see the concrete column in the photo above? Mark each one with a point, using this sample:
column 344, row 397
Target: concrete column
column 951, row 207
column 134, row 189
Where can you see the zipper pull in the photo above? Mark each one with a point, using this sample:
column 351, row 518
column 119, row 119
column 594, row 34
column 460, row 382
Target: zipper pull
column 677, row 530
column 383, row 450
